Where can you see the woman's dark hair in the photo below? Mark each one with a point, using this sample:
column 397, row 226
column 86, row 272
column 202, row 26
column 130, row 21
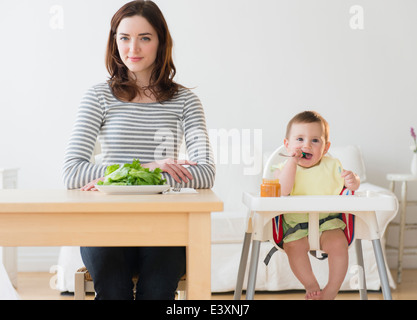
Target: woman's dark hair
column 161, row 84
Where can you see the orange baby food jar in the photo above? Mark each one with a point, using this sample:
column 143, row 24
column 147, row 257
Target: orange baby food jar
column 270, row 188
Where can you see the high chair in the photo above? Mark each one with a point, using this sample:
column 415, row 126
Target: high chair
column 359, row 210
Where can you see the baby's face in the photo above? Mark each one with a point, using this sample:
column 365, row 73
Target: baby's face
column 309, row 138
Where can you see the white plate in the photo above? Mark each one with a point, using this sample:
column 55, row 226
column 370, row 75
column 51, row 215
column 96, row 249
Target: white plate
column 133, row 189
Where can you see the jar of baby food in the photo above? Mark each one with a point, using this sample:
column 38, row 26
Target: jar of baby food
column 270, row 188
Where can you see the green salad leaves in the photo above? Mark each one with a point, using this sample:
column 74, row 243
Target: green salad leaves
column 131, row 174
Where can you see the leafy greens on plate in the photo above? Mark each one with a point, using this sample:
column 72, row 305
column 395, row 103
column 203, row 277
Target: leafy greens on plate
column 131, row 174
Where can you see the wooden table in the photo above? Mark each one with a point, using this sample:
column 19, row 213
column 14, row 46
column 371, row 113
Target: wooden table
column 77, row 218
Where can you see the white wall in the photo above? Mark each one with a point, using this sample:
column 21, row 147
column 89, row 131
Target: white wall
column 254, row 64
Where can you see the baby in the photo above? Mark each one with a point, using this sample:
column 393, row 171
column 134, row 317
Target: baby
column 310, row 172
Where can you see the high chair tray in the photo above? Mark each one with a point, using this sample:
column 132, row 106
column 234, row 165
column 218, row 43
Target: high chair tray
column 361, row 201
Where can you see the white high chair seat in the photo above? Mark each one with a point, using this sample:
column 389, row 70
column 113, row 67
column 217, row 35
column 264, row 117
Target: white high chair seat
column 262, row 210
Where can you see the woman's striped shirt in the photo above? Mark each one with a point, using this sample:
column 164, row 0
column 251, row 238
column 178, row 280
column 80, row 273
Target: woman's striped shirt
column 144, row 131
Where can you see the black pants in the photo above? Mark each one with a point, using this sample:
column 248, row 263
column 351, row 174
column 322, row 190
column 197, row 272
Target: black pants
column 112, row 269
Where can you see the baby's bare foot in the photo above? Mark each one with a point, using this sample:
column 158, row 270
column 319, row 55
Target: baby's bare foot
column 313, row 295
column 329, row 293
column 313, row 292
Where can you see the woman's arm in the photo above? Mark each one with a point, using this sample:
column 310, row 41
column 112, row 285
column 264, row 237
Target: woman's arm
column 78, row 170
column 198, row 145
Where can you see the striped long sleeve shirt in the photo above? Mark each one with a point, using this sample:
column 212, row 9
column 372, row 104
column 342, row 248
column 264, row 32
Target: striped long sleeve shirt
column 144, row 131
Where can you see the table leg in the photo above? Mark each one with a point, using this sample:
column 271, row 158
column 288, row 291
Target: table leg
column 402, row 229
column 199, row 256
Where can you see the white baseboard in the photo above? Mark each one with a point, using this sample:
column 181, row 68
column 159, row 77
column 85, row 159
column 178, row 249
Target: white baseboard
column 409, row 260
column 42, row 259
column 37, row 259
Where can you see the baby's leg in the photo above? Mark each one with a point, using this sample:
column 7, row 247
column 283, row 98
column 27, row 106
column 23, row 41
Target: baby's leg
column 297, row 252
column 334, row 243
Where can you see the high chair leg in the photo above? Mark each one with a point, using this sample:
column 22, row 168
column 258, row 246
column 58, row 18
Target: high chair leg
column 242, row 266
column 362, row 279
column 386, row 290
column 253, row 268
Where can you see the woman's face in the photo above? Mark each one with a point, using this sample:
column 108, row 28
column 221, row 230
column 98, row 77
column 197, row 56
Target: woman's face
column 137, row 42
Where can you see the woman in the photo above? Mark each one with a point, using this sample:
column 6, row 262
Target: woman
column 139, row 113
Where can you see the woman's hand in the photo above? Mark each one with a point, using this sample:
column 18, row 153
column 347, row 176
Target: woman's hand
column 92, row 185
column 352, row 180
column 175, row 168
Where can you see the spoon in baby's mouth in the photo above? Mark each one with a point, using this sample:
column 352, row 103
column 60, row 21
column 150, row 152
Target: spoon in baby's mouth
column 286, row 155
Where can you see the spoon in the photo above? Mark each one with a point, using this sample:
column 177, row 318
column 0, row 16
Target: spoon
column 285, row 155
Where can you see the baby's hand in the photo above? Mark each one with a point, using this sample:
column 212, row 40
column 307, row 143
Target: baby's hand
column 297, row 154
column 352, row 180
